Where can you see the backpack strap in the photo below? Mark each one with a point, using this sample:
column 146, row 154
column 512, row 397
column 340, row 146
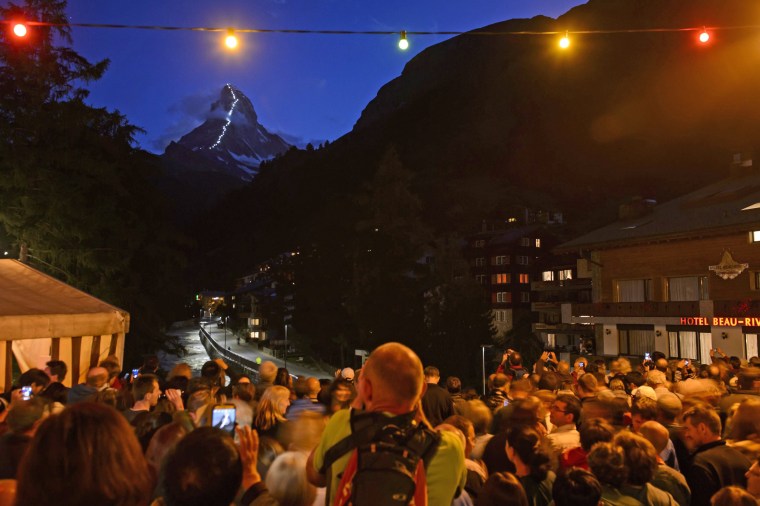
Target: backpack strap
column 364, row 427
column 429, row 447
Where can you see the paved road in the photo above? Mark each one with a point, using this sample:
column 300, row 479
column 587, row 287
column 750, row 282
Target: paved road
column 189, row 335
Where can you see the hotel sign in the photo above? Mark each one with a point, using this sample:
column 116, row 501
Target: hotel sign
column 728, row 268
column 721, row 321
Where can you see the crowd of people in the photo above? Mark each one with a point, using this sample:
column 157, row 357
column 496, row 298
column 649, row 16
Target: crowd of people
column 656, row 432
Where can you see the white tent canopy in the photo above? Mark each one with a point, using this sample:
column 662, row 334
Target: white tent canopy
column 44, row 319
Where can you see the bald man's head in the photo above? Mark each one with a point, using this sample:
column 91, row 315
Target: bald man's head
column 395, row 373
column 267, row 372
column 655, row 433
column 314, row 387
column 97, row 377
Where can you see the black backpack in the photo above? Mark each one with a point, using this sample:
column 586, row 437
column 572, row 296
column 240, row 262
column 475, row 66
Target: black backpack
column 387, row 467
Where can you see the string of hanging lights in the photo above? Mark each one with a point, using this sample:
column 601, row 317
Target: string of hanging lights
column 21, row 29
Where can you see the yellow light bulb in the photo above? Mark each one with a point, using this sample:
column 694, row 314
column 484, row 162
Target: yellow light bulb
column 231, row 41
column 19, row 29
column 704, row 36
column 403, row 44
column 564, row 42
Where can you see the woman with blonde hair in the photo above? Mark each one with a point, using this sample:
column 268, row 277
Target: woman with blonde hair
column 270, row 415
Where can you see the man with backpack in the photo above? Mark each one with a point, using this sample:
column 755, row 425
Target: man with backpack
column 387, row 452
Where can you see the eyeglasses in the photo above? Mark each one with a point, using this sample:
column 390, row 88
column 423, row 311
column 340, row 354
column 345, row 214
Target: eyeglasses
column 556, row 408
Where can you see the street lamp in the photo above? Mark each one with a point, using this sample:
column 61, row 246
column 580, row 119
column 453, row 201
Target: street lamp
column 286, row 345
column 483, row 352
column 226, row 319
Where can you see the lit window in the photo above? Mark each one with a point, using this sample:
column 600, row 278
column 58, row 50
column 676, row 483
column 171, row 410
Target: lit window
column 255, row 322
column 754, row 236
column 634, row 290
column 547, row 276
column 500, row 279
column 524, row 278
column 754, row 280
column 688, row 288
column 512, row 220
column 538, row 243
column 565, row 274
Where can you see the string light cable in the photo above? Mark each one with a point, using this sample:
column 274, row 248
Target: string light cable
column 403, row 33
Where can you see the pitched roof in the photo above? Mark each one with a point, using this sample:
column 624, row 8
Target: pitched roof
column 35, row 305
column 728, row 206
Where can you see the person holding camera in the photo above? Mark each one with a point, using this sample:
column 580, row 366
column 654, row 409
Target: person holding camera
column 511, row 364
column 146, row 392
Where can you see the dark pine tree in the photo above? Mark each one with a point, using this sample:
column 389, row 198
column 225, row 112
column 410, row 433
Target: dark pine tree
column 74, row 192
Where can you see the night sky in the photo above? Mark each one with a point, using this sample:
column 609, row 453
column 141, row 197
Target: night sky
column 304, row 87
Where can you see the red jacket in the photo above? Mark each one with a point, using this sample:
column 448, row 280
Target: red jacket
column 574, row 457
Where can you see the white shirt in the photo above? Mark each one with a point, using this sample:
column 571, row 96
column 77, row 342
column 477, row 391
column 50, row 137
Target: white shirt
column 565, row 437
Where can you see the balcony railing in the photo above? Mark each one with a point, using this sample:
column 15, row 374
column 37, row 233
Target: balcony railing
column 567, row 284
column 681, row 308
column 720, row 308
column 558, row 298
column 736, row 308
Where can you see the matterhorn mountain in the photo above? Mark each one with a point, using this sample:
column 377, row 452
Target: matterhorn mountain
column 230, row 141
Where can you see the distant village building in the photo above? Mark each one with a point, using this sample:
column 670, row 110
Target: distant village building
column 521, row 277
column 264, row 299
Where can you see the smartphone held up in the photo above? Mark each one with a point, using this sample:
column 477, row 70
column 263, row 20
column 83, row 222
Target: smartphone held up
column 223, row 417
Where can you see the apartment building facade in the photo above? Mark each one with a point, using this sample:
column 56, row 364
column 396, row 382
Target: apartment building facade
column 682, row 277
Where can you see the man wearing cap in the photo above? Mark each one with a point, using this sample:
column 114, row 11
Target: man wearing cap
column 436, row 403
column 347, row 374
column 658, row 382
column 645, row 391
